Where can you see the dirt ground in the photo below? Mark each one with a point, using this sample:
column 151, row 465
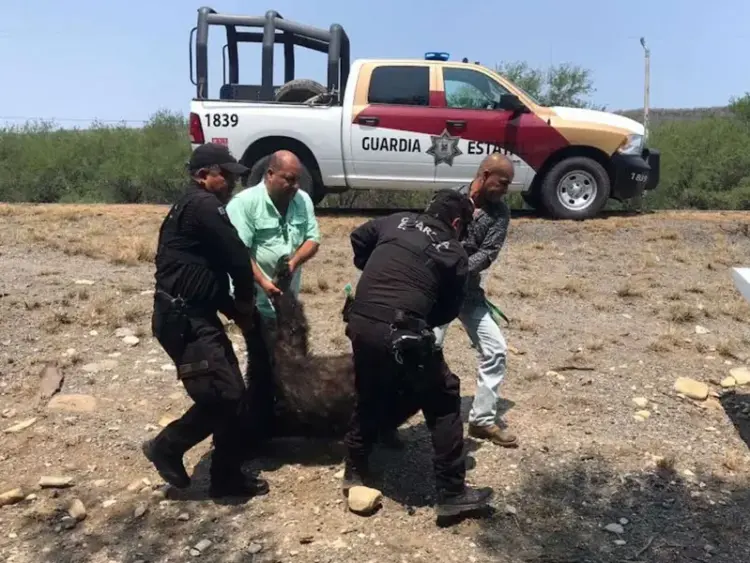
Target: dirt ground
column 602, row 313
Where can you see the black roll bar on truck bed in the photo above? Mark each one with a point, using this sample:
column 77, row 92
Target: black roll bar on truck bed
column 333, row 41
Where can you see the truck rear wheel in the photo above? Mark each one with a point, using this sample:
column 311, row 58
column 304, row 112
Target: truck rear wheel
column 575, row 188
column 299, row 90
column 306, row 180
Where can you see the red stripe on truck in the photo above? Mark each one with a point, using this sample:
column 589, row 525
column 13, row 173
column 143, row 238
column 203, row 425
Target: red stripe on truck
column 527, row 136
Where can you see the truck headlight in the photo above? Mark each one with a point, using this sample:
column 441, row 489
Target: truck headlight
column 633, row 144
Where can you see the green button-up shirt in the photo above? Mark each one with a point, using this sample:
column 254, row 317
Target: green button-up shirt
column 269, row 236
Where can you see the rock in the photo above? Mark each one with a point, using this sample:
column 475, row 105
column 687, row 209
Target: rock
column 691, row 388
column 510, row 510
column 51, row 382
column 135, row 486
column 73, row 403
column 339, row 474
column 109, row 502
column 202, row 545
column 254, row 548
column 641, row 402
column 11, row 497
column 728, row 382
column 31, row 497
column 620, row 542
column 701, row 330
column 615, row 528
column 194, row 552
column 643, row 414
column 91, row 368
column 100, row 483
column 123, row 332
column 624, row 521
column 364, row 500
column 68, row 522
column 741, row 375
column 168, row 367
column 184, row 517
column 23, row 425
column 131, row 340
column 552, row 373
column 140, row 510
column 9, row 413
column 166, row 420
column 54, row 482
column 77, row 510
column 84, row 282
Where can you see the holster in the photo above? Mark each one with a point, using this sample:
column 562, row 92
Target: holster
column 171, row 324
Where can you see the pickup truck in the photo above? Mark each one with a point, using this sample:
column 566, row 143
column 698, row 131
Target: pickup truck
column 410, row 124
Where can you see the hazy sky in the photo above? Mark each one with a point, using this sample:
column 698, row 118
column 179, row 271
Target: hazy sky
column 82, row 59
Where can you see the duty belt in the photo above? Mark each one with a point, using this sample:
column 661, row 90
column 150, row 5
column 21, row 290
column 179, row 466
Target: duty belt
column 396, row 318
column 184, row 305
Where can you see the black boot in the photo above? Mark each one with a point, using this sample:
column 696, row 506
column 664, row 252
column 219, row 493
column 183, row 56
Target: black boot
column 168, row 464
column 468, row 500
column 239, row 486
column 353, row 477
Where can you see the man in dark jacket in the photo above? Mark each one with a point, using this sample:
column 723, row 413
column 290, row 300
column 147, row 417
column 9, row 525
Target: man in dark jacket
column 198, row 250
column 414, row 274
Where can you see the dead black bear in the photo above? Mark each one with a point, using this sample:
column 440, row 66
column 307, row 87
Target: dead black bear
column 303, row 395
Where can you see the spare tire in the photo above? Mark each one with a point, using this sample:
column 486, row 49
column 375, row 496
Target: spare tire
column 299, row 90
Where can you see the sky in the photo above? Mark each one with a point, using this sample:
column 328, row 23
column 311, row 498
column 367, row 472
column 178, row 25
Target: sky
column 77, row 60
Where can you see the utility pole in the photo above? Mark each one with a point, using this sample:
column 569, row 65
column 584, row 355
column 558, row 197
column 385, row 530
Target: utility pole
column 646, row 86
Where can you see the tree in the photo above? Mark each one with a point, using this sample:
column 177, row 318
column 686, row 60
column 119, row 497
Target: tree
column 740, row 107
column 559, row 85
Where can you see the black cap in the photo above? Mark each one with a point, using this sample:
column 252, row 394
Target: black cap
column 214, row 154
column 448, row 204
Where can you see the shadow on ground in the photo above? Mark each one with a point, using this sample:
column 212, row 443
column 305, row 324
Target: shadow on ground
column 737, row 408
column 157, row 535
column 559, row 516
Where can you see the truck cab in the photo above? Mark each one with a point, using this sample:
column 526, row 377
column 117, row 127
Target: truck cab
column 418, row 124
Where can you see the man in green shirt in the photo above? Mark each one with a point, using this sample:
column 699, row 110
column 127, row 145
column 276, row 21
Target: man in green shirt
column 275, row 219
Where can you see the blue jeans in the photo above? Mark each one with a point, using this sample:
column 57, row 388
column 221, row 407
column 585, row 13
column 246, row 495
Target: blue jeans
column 488, row 340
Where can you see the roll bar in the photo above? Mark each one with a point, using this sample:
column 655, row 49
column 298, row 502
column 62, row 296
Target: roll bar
column 333, row 41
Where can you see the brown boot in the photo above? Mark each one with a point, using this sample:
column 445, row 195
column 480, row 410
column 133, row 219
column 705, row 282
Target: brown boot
column 494, row 434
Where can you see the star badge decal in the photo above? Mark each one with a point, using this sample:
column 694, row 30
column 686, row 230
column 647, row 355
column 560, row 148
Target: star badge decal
column 444, row 148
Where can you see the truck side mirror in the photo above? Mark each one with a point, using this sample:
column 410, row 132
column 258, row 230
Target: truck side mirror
column 510, row 102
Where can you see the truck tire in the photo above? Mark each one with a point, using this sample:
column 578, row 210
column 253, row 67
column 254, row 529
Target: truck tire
column 299, row 90
column 575, row 188
column 306, row 181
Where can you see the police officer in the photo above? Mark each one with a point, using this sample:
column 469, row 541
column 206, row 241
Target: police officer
column 198, row 249
column 414, row 276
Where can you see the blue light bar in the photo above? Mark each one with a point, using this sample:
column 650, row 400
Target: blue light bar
column 436, row 56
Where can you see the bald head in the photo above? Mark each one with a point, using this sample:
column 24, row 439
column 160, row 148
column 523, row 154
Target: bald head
column 282, row 176
column 497, row 163
column 494, row 175
column 283, row 159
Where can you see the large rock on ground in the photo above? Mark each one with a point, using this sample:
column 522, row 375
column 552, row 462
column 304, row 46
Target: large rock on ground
column 691, row 388
column 73, row 403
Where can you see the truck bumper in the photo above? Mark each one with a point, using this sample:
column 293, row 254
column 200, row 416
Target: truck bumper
column 634, row 174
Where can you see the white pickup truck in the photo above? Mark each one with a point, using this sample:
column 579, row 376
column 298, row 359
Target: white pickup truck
column 411, row 124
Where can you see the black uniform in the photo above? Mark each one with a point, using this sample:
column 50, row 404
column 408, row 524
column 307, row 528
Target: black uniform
column 414, row 277
column 198, row 249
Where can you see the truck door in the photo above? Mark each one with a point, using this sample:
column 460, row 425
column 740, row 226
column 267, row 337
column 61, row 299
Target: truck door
column 391, row 124
column 475, row 126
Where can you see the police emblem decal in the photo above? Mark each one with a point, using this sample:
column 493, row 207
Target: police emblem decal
column 444, row 148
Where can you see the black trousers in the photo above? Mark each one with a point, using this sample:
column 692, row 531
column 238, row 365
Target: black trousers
column 261, row 390
column 380, row 380
column 209, row 370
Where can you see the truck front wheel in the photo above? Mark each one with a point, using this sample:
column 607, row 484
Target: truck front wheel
column 575, row 188
column 306, row 180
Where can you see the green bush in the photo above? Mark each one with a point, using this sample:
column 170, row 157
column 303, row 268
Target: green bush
column 43, row 164
column 705, row 164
